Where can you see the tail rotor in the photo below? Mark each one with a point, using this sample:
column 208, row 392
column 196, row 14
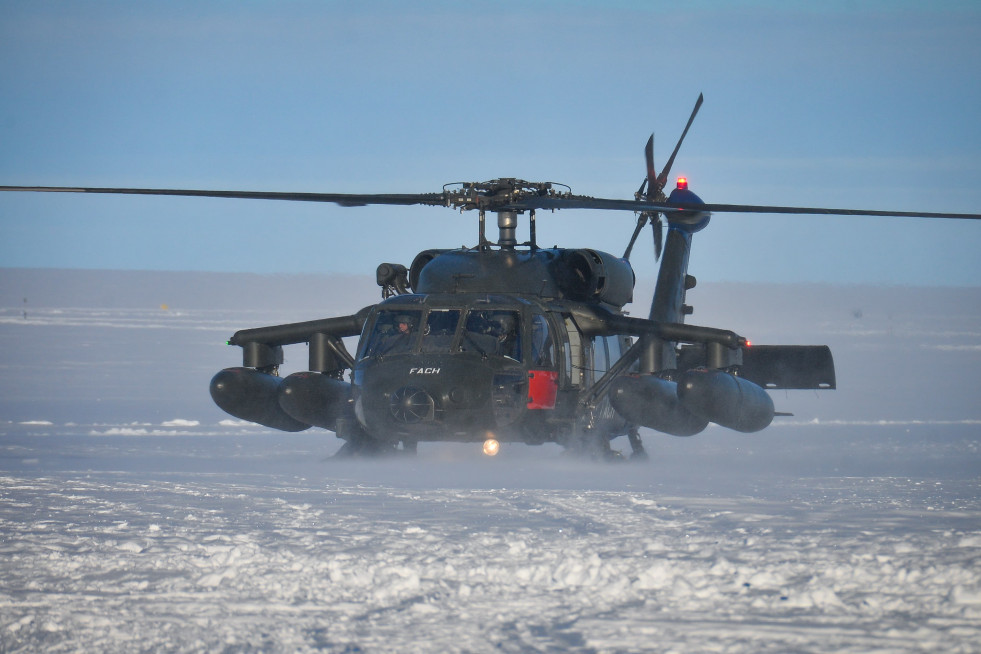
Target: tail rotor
column 652, row 189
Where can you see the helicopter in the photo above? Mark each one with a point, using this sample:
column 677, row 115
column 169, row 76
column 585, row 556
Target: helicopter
column 507, row 341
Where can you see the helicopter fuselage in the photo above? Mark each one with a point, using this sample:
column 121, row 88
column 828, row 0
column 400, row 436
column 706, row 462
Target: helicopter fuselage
column 512, row 343
column 469, row 367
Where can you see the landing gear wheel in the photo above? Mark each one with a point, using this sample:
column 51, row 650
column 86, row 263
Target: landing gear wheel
column 358, row 444
column 365, row 447
column 636, row 445
column 590, row 445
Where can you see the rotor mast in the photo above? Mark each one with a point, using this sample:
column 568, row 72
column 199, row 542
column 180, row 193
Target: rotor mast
column 507, row 225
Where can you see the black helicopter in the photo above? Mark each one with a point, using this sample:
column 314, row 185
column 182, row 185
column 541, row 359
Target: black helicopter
column 511, row 342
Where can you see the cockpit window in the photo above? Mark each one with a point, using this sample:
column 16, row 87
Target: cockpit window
column 437, row 335
column 394, row 332
column 492, row 332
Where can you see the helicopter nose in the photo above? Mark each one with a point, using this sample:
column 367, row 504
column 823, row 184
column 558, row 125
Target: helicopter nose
column 411, row 406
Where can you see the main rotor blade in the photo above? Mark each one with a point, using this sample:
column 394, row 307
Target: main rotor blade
column 662, row 179
column 750, row 208
column 344, row 199
column 585, row 202
column 516, row 202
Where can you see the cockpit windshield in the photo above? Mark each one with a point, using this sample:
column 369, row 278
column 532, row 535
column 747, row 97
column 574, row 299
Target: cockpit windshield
column 492, row 332
column 394, row 332
column 440, row 329
column 488, row 332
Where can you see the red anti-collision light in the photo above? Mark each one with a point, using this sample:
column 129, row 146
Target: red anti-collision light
column 683, row 183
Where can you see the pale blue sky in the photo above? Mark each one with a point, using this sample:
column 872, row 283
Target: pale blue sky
column 850, row 104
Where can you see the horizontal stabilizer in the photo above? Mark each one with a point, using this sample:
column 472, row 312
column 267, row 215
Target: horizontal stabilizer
column 789, row 366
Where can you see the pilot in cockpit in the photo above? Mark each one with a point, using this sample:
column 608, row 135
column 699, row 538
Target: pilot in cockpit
column 504, row 329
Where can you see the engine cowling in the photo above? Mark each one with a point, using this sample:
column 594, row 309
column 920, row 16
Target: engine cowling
column 593, row 276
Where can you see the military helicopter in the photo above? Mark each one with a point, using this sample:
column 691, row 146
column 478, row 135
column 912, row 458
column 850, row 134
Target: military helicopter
column 512, row 342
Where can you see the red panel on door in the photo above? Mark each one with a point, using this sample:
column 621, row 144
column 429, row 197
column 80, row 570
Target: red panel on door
column 542, row 388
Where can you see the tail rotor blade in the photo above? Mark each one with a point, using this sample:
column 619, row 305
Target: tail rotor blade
column 658, row 228
column 663, row 177
column 651, row 172
column 645, row 191
column 641, row 221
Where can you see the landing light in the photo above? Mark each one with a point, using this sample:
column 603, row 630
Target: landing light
column 683, row 183
column 491, row 447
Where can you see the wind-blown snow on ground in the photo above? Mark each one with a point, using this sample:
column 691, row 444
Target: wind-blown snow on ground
column 118, row 562
column 136, row 516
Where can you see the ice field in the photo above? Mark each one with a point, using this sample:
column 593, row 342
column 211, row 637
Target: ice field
column 136, row 516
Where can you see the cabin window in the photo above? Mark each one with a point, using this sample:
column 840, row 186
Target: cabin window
column 437, row 335
column 492, row 332
column 542, row 343
column 618, row 347
column 601, row 357
column 394, row 332
column 573, row 353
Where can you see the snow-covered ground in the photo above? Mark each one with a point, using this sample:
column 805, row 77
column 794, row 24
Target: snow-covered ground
column 134, row 515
